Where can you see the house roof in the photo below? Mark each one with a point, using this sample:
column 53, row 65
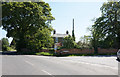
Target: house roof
column 60, row 35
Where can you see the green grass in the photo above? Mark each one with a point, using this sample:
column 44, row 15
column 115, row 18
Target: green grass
column 10, row 49
column 44, row 53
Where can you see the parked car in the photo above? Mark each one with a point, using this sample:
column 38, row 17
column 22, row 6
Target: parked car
column 118, row 55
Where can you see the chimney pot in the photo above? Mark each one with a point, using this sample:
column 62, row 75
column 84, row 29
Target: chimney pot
column 67, row 32
column 54, row 32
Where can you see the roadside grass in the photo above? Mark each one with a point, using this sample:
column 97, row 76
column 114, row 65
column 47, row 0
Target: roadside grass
column 12, row 49
column 44, row 53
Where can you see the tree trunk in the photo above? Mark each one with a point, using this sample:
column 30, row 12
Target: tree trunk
column 95, row 50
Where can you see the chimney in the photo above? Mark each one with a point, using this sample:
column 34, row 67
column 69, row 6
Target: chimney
column 67, row 32
column 54, row 32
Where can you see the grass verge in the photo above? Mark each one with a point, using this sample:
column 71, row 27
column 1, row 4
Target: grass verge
column 44, row 53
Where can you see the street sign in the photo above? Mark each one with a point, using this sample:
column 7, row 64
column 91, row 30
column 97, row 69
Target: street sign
column 56, row 39
column 55, row 46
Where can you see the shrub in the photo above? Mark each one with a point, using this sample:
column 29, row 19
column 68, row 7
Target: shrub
column 69, row 42
column 44, row 53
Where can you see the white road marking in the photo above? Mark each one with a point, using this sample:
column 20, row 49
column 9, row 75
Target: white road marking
column 100, row 65
column 29, row 63
column 95, row 64
column 47, row 73
column 37, row 56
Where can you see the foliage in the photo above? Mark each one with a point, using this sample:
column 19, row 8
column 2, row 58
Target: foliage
column 44, row 53
column 42, row 40
column 73, row 34
column 10, row 49
column 13, row 44
column 84, row 42
column 69, row 42
column 5, row 44
column 106, row 29
column 24, row 21
column 95, row 40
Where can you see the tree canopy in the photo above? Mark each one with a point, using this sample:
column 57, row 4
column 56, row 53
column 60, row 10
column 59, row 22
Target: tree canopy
column 25, row 20
column 106, row 29
column 69, row 42
column 84, row 42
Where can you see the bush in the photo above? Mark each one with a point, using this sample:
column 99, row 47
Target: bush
column 4, row 48
column 69, row 42
column 5, row 44
column 44, row 53
column 9, row 49
column 43, row 48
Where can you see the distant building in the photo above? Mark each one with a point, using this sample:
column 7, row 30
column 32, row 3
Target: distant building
column 58, row 38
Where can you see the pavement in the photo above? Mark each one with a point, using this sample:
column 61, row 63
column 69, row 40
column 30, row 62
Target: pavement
column 47, row 65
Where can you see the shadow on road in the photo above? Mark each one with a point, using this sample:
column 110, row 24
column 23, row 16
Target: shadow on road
column 15, row 53
column 9, row 53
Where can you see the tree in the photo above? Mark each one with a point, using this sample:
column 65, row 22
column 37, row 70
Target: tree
column 67, row 32
column 69, row 42
column 22, row 20
column 43, row 39
column 95, row 39
column 5, row 44
column 73, row 34
column 84, row 42
column 107, row 27
column 13, row 44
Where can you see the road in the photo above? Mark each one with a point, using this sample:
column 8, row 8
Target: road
column 45, row 65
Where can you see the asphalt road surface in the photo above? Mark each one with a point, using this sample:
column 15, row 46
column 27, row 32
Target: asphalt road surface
column 45, row 65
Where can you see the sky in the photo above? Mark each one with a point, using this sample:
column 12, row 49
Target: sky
column 82, row 12
column 64, row 12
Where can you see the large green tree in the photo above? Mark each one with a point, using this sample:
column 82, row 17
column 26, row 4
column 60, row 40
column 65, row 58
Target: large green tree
column 106, row 29
column 22, row 20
